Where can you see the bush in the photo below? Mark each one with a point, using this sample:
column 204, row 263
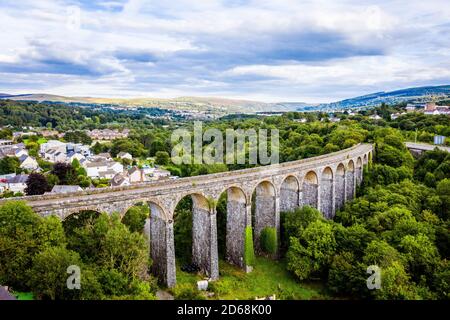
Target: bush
column 249, row 252
column 269, row 240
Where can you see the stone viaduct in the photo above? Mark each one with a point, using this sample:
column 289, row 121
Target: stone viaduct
column 324, row 182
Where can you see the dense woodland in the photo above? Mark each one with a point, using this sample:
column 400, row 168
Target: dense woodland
column 398, row 221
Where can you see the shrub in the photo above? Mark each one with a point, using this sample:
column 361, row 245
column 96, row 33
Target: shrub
column 249, row 252
column 269, row 240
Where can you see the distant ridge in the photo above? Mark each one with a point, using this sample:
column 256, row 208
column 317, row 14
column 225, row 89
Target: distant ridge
column 418, row 94
column 224, row 105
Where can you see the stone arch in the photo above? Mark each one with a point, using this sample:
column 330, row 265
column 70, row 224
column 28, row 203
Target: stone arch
column 310, row 187
column 358, row 172
column 350, row 180
column 204, row 234
column 75, row 211
column 339, row 187
column 266, row 213
column 289, row 193
column 236, row 219
column 327, row 193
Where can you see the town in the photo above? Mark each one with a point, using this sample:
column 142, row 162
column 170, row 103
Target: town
column 19, row 159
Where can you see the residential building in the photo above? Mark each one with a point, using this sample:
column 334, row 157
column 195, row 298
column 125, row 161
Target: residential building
column 125, row 155
column 107, row 134
column 102, row 168
column 17, row 183
column 119, row 180
column 65, row 189
column 52, row 144
column 28, row 163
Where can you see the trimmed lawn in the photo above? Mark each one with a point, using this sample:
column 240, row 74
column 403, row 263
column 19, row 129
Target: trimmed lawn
column 267, row 278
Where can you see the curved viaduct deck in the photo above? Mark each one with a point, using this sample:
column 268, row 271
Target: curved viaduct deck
column 324, row 182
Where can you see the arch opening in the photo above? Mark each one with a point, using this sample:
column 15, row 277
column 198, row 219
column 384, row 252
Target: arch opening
column 195, row 235
column 263, row 211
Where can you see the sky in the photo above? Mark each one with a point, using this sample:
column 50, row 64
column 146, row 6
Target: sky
column 265, row 50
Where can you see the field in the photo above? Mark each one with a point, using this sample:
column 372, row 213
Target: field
column 268, row 277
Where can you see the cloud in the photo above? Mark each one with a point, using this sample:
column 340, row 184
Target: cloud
column 266, row 49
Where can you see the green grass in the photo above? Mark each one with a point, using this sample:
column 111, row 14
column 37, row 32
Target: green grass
column 40, row 140
column 267, row 278
column 24, row 295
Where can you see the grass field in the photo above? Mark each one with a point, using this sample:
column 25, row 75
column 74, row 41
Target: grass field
column 267, row 278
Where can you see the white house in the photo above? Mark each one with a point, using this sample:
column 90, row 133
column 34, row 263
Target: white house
column 17, row 183
column 55, row 155
column 28, row 163
column 125, row 155
column 136, row 175
column 52, row 144
column 100, row 168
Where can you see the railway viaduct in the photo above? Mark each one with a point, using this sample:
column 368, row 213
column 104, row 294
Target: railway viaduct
column 325, row 182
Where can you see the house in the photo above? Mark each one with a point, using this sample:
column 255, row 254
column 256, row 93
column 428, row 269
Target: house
column 125, row 155
column 15, row 150
column 120, row 180
column 159, row 173
column 28, row 163
column 101, row 168
column 72, row 156
column 136, row 175
column 375, row 117
column 104, row 155
column 17, row 183
column 107, row 134
column 55, row 155
column 396, row 115
column 4, row 142
column 65, row 189
column 52, row 144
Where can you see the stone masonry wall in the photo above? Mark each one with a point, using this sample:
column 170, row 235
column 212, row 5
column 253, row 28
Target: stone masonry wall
column 236, row 223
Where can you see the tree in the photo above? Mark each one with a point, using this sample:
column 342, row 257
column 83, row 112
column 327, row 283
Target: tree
column 66, row 173
column 135, row 218
column 48, row 275
column 249, row 252
column 22, row 235
column 9, row 165
column 268, row 239
column 78, row 137
column 312, row 251
column 162, row 158
column 36, row 184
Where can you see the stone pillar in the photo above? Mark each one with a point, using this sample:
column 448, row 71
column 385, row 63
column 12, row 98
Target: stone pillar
column 162, row 250
column 204, row 241
column 237, row 220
